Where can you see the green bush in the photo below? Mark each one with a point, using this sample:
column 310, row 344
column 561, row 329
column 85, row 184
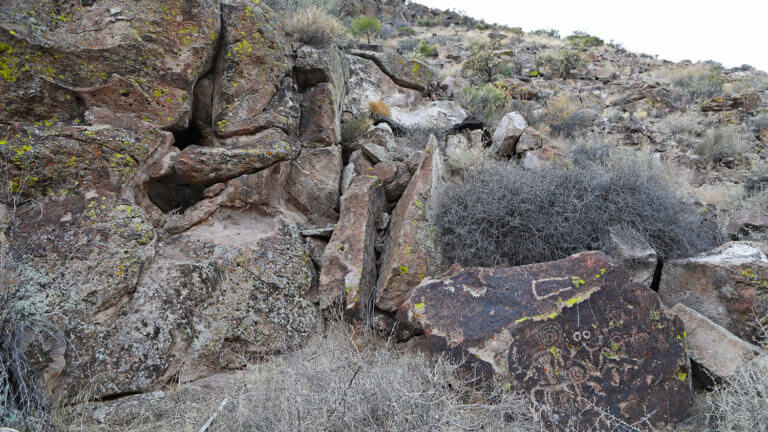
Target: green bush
column 482, row 63
column 367, row 26
column 426, row 49
column 486, row 102
column 406, row 31
column 430, row 22
column 547, row 32
column 314, row 26
column 408, row 45
column 355, row 126
column 504, row 215
column 582, row 40
column 562, row 62
column 700, row 81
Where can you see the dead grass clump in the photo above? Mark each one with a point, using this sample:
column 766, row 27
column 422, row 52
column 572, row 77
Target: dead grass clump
column 355, row 126
column 687, row 123
column 724, row 143
column 314, row 26
column 565, row 115
column 380, row 108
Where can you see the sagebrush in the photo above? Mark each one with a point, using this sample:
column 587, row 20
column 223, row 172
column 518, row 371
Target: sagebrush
column 503, row 215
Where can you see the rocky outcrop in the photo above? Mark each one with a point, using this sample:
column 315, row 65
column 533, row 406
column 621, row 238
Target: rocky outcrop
column 411, row 252
column 367, row 83
column 507, row 134
column 440, row 115
column 349, row 263
column 406, row 72
column 746, row 101
column 573, row 334
column 712, row 347
column 725, row 285
column 127, row 64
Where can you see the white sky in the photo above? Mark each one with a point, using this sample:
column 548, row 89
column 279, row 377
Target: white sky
column 731, row 32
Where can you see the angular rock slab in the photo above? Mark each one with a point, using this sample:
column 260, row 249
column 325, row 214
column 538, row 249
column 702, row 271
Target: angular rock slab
column 507, row 134
column 138, row 60
column 406, row 72
column 349, row 261
column 726, row 285
column 252, row 64
column 313, row 183
column 565, row 332
column 412, row 251
column 719, row 351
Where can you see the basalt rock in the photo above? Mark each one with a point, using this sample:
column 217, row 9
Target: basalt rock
column 126, row 63
column 405, row 72
column 573, row 334
column 746, row 101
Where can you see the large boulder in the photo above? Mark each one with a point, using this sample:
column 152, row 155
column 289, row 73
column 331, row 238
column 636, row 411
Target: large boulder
column 313, row 183
column 404, row 71
column 573, row 334
column 507, row 134
column 718, row 351
column 726, row 285
column 441, row 115
column 348, row 275
column 412, row 251
column 126, row 63
column 322, row 76
column 367, row 83
column 253, row 60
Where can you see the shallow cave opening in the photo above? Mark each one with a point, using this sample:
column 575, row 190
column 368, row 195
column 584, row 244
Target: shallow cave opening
column 171, row 194
column 187, row 137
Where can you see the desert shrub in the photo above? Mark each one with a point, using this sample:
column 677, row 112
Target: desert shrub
column 700, row 81
column 416, row 137
column 408, row 45
column 582, row 40
column 687, row 123
column 335, row 383
column 486, row 102
column 314, row 26
column 503, row 215
column 355, row 126
column 430, row 22
column 367, row 26
column 565, row 116
column 562, row 62
column 757, row 81
column 547, row 32
column 722, row 143
column 426, row 49
column 759, row 122
column 380, row 108
column 740, row 403
column 406, row 31
column 287, row 8
column 482, row 63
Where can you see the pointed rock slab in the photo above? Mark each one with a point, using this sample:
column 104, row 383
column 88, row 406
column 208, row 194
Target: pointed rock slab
column 406, row 72
column 209, row 165
column 127, row 62
column 252, row 64
column 727, row 285
column 719, row 351
column 507, row 134
column 349, row 261
column 412, row 251
column 574, row 334
column 313, row 184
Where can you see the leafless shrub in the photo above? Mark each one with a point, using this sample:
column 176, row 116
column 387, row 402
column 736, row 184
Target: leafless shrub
column 721, row 143
column 503, row 215
column 699, row 81
column 687, row 123
column 565, row 115
column 741, row 404
column 355, row 126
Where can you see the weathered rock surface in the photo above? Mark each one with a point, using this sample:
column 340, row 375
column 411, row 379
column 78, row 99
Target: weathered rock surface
column 404, row 71
column 574, row 334
column 507, row 134
column 411, row 252
column 208, row 165
column 367, row 83
column 745, row 222
column 313, row 183
column 716, row 349
column 133, row 63
column 394, row 176
column 252, row 63
column 442, row 115
column 348, row 273
column 633, row 250
column 726, row 285
column 748, row 101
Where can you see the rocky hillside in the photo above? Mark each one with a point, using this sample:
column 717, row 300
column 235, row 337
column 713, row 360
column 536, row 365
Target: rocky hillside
column 192, row 187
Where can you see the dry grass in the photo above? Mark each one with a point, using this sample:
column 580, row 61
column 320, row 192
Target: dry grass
column 724, row 143
column 565, row 116
column 700, row 80
column 336, row 383
column 380, row 108
column 355, row 126
column 314, row 26
column 688, row 123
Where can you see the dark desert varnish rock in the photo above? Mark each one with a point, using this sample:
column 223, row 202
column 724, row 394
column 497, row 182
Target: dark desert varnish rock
column 574, row 334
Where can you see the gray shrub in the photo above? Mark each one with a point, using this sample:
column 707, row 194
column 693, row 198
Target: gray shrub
column 503, row 215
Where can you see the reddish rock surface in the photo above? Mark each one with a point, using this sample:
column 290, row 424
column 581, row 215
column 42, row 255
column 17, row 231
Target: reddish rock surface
column 574, row 334
column 411, row 251
column 348, row 273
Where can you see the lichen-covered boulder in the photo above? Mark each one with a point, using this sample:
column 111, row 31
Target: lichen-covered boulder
column 313, row 182
column 727, row 285
column 252, row 64
column 412, row 251
column 367, row 83
column 348, row 275
column 126, row 63
column 573, row 334
column 404, row 71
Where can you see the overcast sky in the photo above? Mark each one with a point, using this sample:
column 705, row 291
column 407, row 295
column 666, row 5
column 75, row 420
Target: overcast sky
column 731, row 32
